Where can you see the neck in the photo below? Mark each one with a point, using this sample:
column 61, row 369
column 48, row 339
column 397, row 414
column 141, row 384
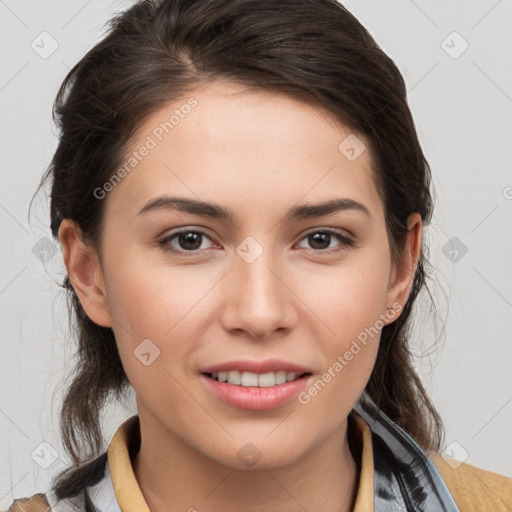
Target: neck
column 174, row 476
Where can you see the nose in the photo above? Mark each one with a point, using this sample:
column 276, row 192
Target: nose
column 258, row 299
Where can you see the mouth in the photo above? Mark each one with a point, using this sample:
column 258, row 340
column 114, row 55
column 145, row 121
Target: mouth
column 256, row 380
column 255, row 391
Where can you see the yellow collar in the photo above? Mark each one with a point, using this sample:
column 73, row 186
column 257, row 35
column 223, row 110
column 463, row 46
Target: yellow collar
column 126, row 440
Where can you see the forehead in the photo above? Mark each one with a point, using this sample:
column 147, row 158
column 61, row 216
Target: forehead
column 242, row 146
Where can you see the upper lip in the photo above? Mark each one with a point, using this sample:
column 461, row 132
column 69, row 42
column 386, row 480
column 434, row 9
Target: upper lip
column 268, row 365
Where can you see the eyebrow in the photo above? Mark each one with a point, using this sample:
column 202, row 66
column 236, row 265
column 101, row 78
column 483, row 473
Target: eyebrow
column 304, row 211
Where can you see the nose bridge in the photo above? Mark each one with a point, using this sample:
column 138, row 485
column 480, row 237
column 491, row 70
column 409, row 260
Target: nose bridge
column 261, row 302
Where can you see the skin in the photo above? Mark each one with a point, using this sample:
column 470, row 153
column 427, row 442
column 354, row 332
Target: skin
column 258, row 153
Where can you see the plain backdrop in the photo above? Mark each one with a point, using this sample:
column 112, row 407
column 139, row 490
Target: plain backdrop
column 455, row 57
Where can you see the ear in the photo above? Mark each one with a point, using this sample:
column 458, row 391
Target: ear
column 402, row 274
column 85, row 273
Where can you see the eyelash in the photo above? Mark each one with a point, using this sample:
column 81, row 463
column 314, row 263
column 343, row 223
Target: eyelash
column 346, row 241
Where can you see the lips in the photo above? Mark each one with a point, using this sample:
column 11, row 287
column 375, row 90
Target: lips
column 268, row 365
column 255, row 398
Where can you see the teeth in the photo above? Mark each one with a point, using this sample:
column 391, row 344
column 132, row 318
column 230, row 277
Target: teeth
column 263, row 380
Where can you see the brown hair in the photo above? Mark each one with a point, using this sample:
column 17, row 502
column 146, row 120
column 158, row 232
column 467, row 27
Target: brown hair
column 156, row 52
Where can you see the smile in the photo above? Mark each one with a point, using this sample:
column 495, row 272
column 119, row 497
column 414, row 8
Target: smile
column 250, row 379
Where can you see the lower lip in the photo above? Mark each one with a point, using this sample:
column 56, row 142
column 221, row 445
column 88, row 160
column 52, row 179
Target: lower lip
column 255, row 398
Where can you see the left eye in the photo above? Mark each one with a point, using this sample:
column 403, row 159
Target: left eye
column 190, row 241
column 325, row 236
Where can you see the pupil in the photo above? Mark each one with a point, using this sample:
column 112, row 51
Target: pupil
column 320, row 238
column 190, row 239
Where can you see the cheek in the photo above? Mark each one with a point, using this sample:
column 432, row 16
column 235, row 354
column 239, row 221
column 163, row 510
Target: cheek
column 168, row 305
column 347, row 298
column 349, row 306
column 349, row 348
column 149, row 327
column 149, row 301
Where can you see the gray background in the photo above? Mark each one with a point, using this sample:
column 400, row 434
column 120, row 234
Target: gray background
column 462, row 105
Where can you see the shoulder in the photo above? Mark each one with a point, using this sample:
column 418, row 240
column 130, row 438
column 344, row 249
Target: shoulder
column 35, row 503
column 48, row 502
column 92, row 481
column 474, row 489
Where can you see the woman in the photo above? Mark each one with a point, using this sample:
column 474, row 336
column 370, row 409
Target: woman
column 240, row 196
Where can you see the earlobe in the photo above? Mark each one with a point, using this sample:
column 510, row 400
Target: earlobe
column 85, row 273
column 402, row 275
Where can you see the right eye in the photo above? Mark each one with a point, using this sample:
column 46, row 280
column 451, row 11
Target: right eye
column 189, row 241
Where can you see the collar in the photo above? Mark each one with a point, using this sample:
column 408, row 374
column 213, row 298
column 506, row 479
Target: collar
column 405, row 478
column 126, row 442
column 394, row 472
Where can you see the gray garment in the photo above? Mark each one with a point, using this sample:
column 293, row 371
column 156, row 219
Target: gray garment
column 404, row 478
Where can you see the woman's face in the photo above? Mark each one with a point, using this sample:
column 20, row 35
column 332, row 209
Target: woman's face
column 272, row 281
